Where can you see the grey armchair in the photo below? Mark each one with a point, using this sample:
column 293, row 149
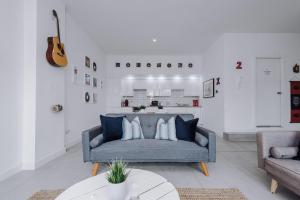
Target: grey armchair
column 285, row 172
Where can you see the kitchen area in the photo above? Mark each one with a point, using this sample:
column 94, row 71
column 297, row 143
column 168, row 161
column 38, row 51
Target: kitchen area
column 157, row 94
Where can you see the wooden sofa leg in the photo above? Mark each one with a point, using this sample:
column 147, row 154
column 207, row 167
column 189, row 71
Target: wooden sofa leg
column 274, row 186
column 203, row 167
column 95, row 169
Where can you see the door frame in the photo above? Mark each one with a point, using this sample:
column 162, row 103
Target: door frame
column 281, row 88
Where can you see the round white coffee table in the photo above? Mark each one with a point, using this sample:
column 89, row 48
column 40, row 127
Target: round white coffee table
column 143, row 184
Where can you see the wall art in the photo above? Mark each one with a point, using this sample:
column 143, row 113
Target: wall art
column 75, row 75
column 138, row 64
column 158, row 65
column 94, row 67
column 127, row 64
column 95, row 82
column 148, row 64
column 118, row 64
column 209, row 88
column 169, row 65
column 180, row 65
column 295, row 101
column 190, row 65
column 87, row 62
column 238, row 65
column 87, row 97
column 87, row 79
column 296, row 68
column 95, row 97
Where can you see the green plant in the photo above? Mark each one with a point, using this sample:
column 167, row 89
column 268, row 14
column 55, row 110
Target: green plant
column 117, row 172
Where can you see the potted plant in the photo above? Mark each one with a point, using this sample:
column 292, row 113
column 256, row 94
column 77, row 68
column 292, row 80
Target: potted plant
column 116, row 177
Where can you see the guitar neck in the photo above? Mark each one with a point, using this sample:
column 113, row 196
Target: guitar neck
column 58, row 30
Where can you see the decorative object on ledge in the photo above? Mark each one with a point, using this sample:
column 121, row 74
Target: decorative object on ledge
column 295, row 101
column 87, row 97
column 190, row 65
column 158, row 65
column 87, row 79
column 169, row 65
column 57, row 108
column 180, row 65
column 148, row 64
column 296, row 68
column 138, row 64
column 94, row 67
column 209, row 88
column 238, row 65
column 87, row 62
column 218, row 81
column 118, row 64
column 128, row 64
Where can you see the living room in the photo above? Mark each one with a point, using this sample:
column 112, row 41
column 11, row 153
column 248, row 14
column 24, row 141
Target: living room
column 224, row 73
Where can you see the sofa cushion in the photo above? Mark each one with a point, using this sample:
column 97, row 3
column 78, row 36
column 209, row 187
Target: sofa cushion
column 185, row 130
column 150, row 150
column 112, row 128
column 96, row 141
column 286, row 170
column 284, row 152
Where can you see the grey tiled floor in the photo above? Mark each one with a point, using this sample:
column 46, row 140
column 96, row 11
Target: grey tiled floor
column 235, row 167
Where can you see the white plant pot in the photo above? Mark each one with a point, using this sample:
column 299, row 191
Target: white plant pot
column 117, row 191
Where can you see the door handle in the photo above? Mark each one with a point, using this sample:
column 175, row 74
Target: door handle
column 279, row 93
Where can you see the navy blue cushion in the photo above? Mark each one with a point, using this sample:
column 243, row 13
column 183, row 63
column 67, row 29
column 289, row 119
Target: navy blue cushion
column 112, row 128
column 185, row 130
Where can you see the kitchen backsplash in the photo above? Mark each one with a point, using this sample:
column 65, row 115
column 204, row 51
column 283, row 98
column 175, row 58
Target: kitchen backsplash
column 176, row 99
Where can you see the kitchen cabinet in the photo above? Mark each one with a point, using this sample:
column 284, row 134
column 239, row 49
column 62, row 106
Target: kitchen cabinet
column 127, row 88
column 192, row 88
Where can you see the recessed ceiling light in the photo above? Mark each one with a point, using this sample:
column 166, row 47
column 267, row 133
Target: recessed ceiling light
column 154, row 40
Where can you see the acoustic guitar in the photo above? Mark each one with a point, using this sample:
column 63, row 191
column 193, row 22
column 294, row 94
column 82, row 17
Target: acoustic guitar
column 56, row 54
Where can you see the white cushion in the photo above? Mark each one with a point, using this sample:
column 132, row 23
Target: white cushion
column 166, row 131
column 132, row 130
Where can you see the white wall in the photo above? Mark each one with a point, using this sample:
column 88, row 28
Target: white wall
column 114, row 75
column 240, row 100
column 50, row 88
column 80, row 115
column 213, row 108
column 11, row 70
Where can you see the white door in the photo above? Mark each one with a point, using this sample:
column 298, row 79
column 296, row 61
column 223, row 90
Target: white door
column 268, row 91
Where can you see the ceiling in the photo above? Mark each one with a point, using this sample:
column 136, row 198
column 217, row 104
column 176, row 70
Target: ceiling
column 180, row 26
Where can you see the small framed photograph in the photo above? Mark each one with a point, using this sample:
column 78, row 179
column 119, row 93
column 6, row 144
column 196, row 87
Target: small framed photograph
column 87, row 97
column 87, row 79
column 95, row 97
column 87, row 62
column 209, row 88
column 118, row 64
column 95, row 84
column 94, row 67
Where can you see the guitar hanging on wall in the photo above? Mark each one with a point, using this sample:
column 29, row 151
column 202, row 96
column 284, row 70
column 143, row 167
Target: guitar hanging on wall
column 56, row 54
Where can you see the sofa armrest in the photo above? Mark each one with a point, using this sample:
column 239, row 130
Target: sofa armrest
column 266, row 140
column 87, row 137
column 211, row 136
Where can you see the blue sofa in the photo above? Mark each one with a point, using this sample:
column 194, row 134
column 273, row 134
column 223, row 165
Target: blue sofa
column 149, row 149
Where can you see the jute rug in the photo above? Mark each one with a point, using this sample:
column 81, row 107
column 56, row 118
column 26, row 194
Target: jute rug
column 185, row 194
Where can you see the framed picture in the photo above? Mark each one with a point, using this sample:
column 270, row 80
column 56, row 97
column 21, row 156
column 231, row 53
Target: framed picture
column 180, row 65
column 118, row 64
column 95, row 96
column 209, row 88
column 158, row 64
column 87, row 79
column 95, row 82
column 94, row 67
column 138, row 64
column 87, row 62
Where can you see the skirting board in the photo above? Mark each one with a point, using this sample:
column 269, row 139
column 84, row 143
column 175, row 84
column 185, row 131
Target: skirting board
column 10, row 172
column 49, row 158
column 240, row 137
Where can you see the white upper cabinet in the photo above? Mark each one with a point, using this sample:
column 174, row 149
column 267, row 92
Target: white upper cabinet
column 192, row 88
column 127, row 88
